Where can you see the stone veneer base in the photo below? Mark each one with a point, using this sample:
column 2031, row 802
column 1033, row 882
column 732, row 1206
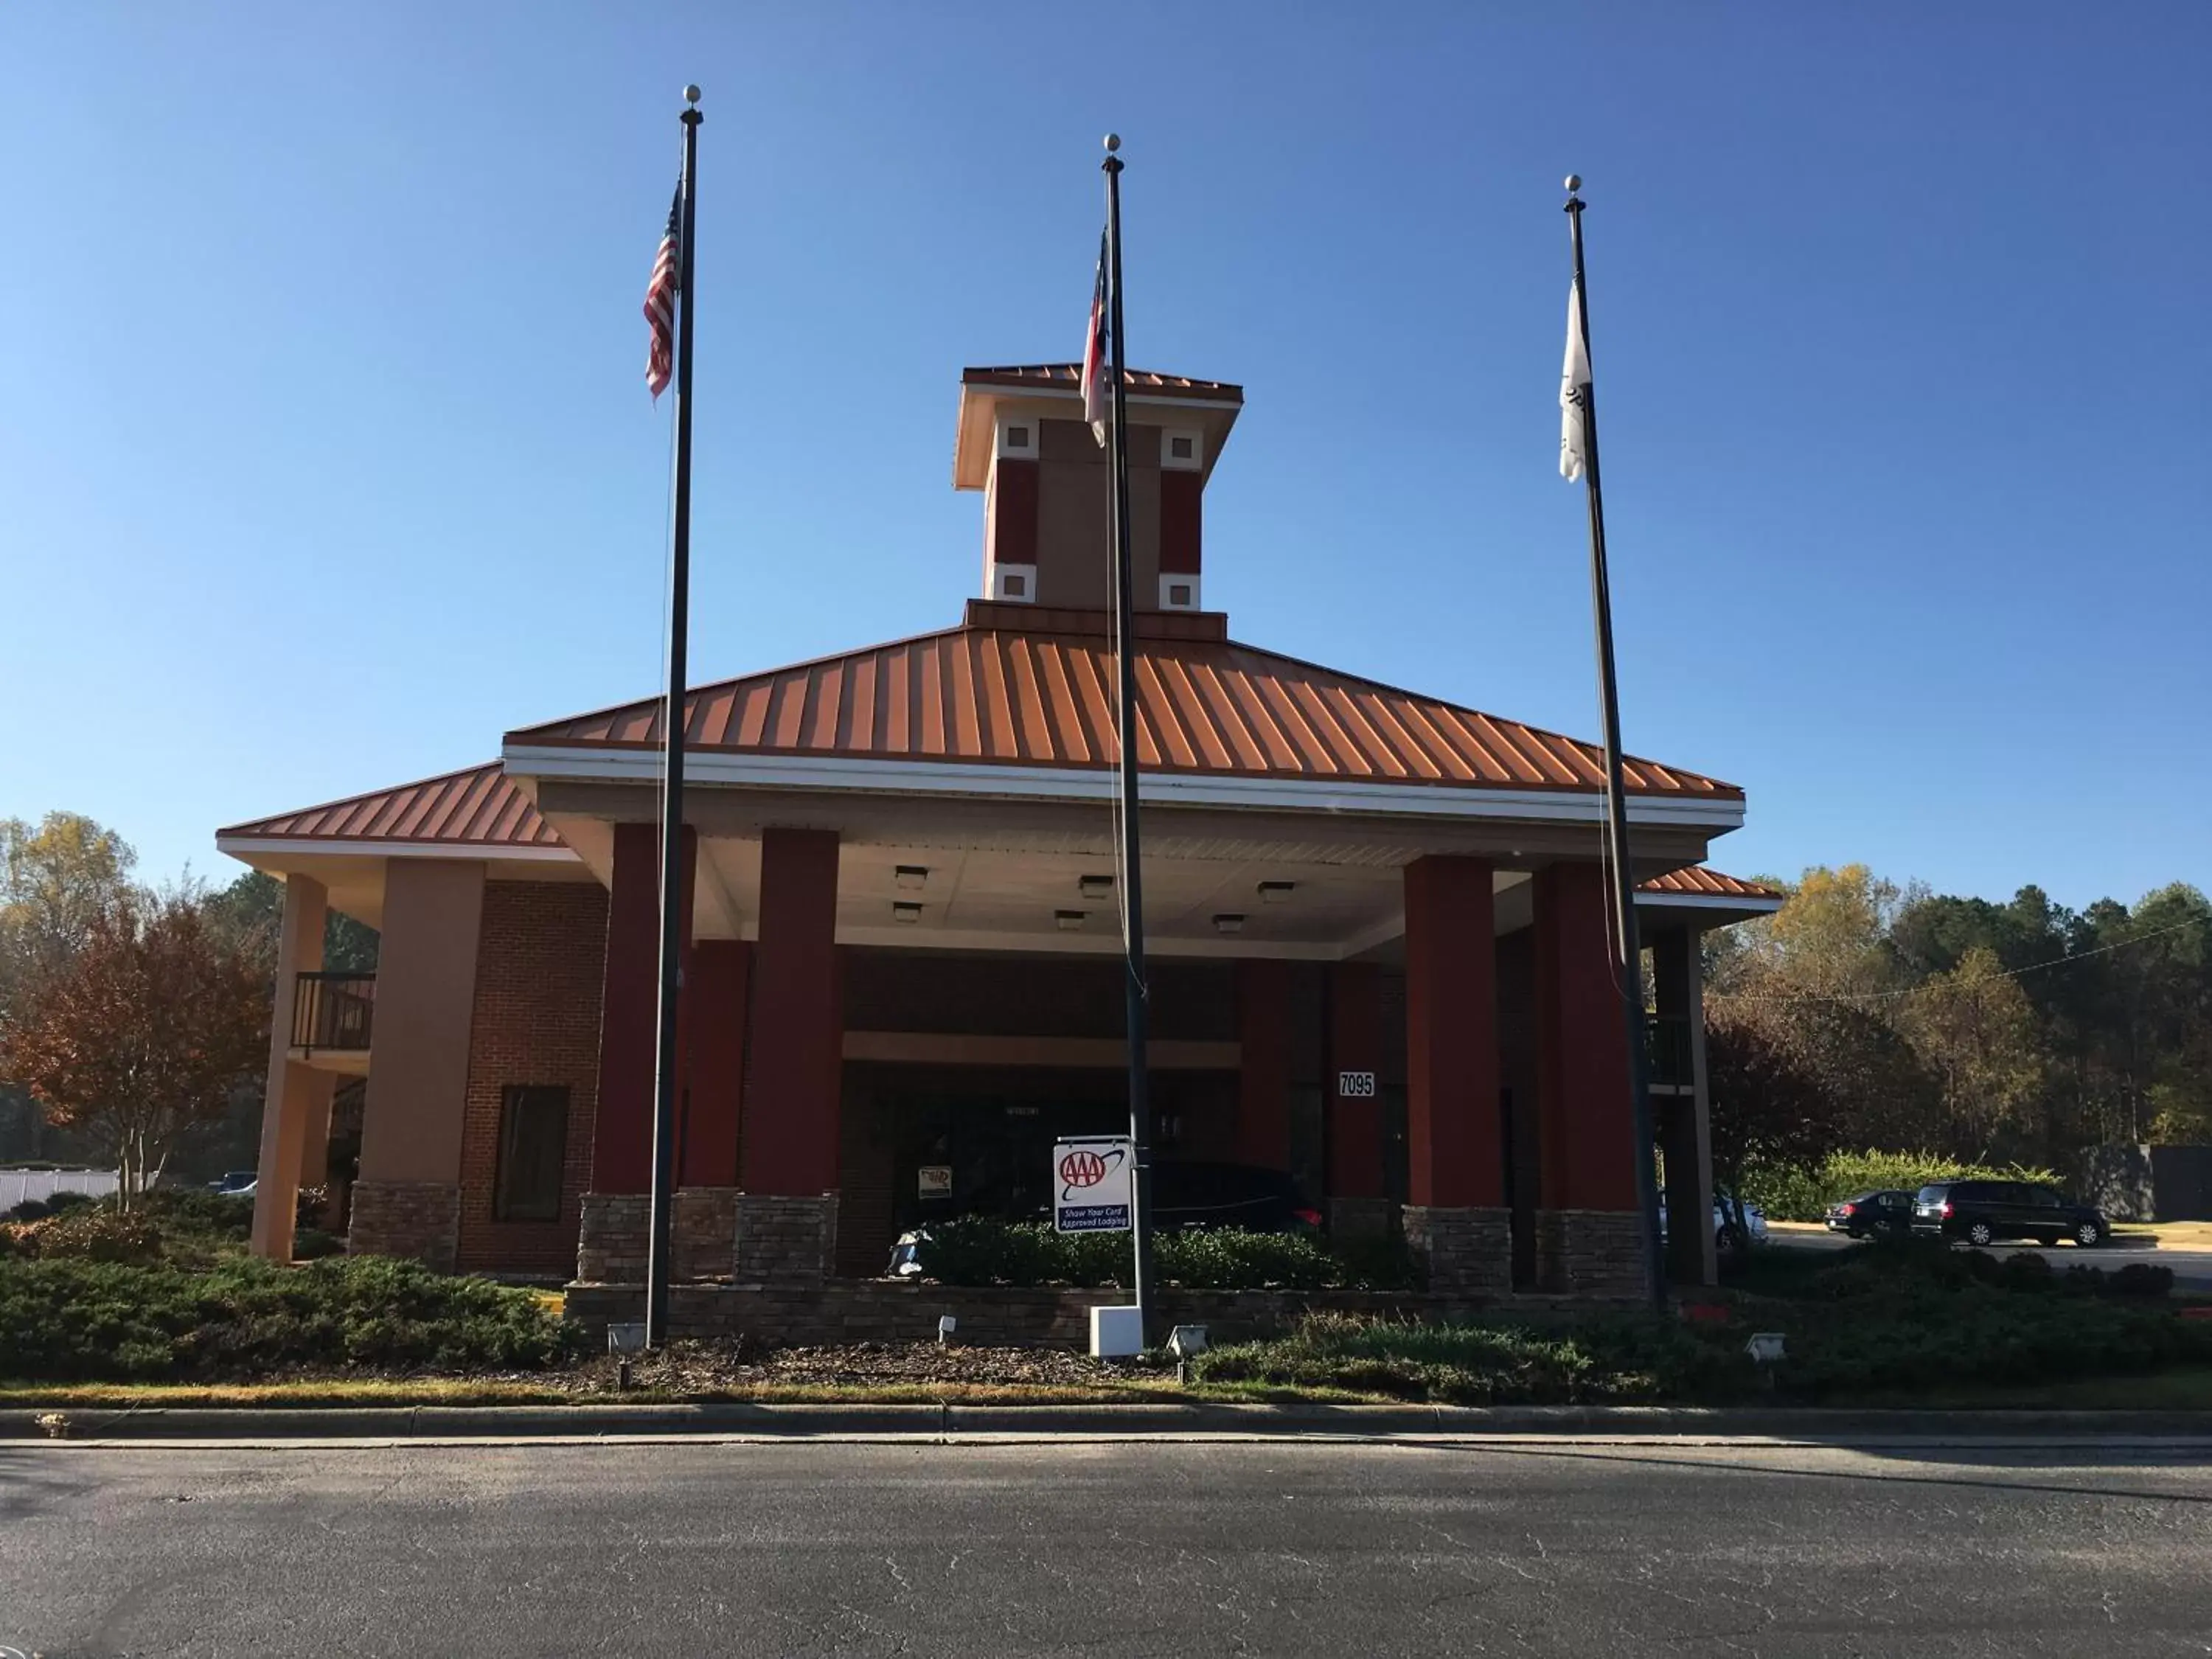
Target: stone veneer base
column 416, row 1218
column 785, row 1241
column 615, row 1229
column 1469, row 1252
column 1590, row 1253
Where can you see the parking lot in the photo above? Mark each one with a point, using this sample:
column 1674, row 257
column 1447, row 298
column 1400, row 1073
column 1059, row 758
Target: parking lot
column 2184, row 1246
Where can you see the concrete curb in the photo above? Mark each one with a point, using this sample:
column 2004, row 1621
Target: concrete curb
column 739, row 1420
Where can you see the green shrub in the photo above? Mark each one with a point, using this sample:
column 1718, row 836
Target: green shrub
column 312, row 1244
column 184, row 1210
column 2137, row 1278
column 89, row 1235
column 1618, row 1360
column 1921, row 1336
column 1801, row 1195
column 76, row 1320
column 979, row 1251
column 37, row 1209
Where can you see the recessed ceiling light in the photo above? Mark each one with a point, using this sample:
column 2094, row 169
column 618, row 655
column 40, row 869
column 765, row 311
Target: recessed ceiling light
column 905, row 912
column 911, row 876
column 1229, row 922
column 1097, row 887
column 1069, row 921
column 1277, row 892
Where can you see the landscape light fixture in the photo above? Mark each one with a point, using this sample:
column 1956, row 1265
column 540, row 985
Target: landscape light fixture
column 1277, row 892
column 905, row 912
column 1228, row 921
column 1070, row 921
column 911, row 876
column 1097, row 887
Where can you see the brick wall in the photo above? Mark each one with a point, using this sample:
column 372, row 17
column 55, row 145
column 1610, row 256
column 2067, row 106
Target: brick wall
column 540, row 962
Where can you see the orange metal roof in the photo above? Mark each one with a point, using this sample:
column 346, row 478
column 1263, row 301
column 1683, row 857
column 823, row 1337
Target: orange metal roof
column 1699, row 882
column 1020, row 696
column 1071, row 375
column 478, row 808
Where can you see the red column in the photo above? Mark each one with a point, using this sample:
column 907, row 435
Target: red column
column 790, row 1139
column 715, row 990
column 1581, row 1046
column 622, row 1134
column 1355, row 1044
column 1451, row 1035
column 1263, row 1085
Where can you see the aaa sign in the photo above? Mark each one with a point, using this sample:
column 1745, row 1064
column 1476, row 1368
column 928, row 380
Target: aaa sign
column 1093, row 1184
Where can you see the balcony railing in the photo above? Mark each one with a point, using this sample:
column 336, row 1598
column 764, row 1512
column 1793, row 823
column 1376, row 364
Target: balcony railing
column 1669, row 1061
column 333, row 1011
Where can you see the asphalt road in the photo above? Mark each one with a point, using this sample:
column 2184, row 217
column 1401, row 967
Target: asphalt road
column 2193, row 1267
column 1312, row 1550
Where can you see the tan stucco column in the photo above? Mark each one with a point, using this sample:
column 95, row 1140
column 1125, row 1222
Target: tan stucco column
column 288, row 1100
column 407, row 1199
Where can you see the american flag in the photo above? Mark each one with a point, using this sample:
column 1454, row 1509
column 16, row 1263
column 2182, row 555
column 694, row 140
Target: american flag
column 660, row 305
column 1095, row 366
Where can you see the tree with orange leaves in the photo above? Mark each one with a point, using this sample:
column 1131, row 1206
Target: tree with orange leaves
column 142, row 1032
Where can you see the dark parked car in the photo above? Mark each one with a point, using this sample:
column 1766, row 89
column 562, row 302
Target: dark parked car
column 1981, row 1211
column 1228, row 1195
column 1184, row 1196
column 1887, row 1211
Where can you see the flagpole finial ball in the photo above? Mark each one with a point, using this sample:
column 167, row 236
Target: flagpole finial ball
column 1574, row 183
column 691, row 94
column 1113, row 143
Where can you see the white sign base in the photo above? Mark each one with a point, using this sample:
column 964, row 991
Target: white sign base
column 1116, row 1334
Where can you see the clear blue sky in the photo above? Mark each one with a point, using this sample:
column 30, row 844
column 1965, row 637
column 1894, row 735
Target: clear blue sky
column 326, row 456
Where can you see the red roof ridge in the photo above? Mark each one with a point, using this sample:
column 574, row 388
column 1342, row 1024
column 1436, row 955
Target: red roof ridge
column 1413, row 737
column 1697, row 880
column 1465, row 708
column 1070, row 374
column 500, row 798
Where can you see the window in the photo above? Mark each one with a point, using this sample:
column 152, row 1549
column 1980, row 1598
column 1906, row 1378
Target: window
column 534, row 1144
column 1017, row 587
column 2042, row 1197
column 1181, row 448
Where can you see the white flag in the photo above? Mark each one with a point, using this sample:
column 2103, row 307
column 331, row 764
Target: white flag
column 1574, row 392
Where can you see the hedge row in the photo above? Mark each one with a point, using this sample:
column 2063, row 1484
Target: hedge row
column 1802, row 1195
column 1881, row 1319
column 80, row 1321
column 979, row 1251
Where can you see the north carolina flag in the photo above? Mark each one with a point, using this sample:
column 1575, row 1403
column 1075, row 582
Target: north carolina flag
column 1574, row 392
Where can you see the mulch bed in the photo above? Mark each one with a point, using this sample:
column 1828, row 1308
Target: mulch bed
column 692, row 1368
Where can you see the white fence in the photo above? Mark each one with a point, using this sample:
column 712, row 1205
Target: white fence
column 18, row 1185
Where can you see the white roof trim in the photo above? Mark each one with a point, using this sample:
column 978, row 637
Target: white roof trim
column 1708, row 901
column 369, row 846
column 837, row 772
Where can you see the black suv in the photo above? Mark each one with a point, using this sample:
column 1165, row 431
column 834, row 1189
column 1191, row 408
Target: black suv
column 1981, row 1211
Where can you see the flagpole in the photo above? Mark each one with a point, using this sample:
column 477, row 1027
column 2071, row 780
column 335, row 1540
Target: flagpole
column 671, row 797
column 1630, row 976
column 1132, row 892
